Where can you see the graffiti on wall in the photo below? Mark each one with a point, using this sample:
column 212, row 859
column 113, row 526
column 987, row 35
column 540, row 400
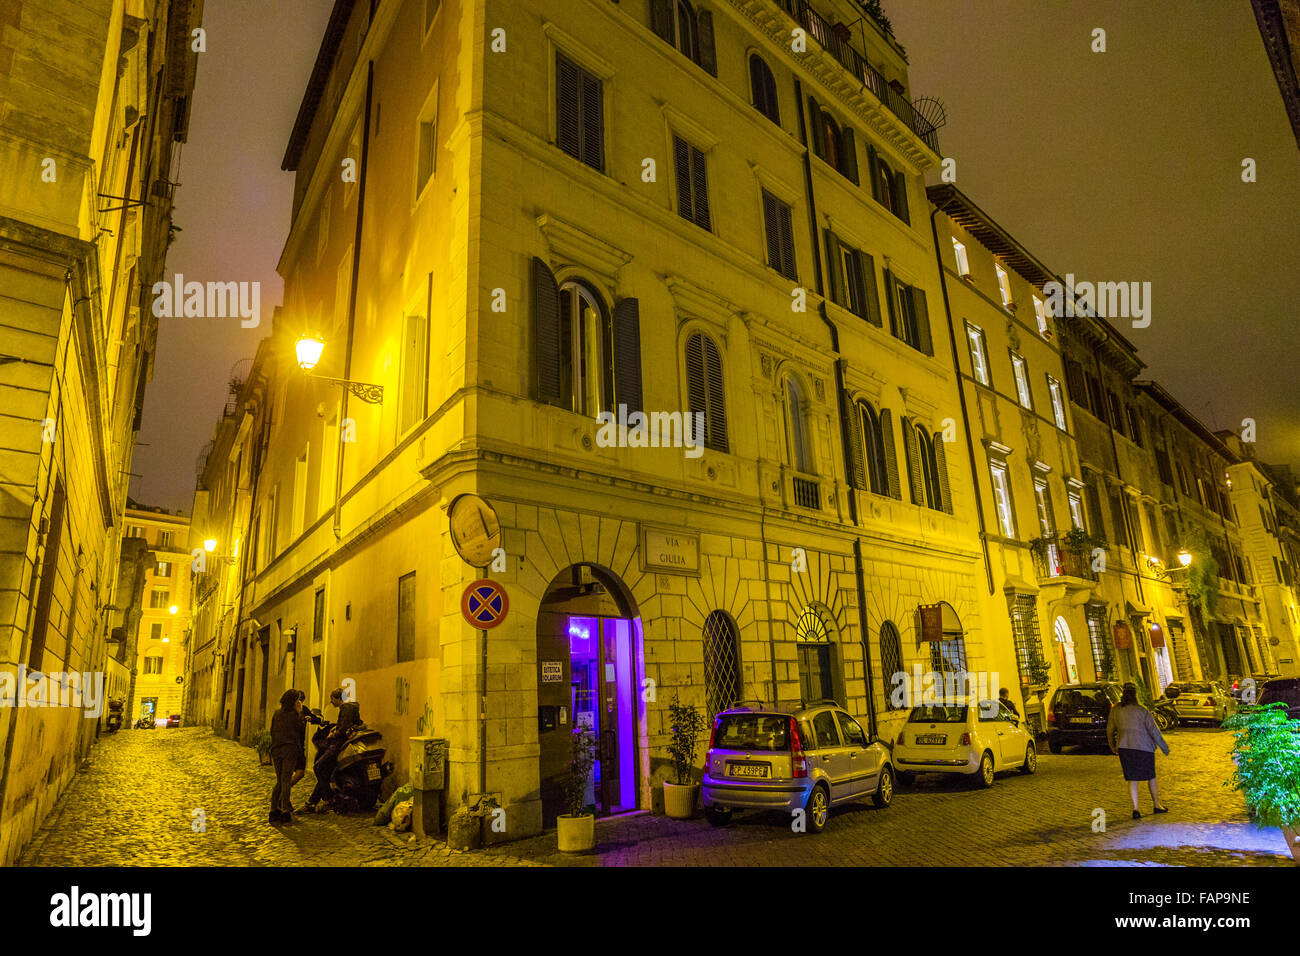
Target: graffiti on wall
column 403, row 697
column 424, row 724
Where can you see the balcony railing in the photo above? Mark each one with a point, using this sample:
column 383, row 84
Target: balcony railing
column 821, row 30
column 1054, row 558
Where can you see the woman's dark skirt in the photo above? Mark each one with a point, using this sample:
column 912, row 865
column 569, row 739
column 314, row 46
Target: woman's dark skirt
column 1137, row 764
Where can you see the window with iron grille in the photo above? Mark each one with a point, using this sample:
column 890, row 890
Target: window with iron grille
column 1096, row 617
column 891, row 660
column 816, row 678
column 1024, row 627
column 949, row 655
column 723, row 685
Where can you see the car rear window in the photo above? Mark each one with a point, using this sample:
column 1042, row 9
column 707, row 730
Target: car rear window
column 1083, row 698
column 766, row 732
column 1281, row 692
column 1194, row 688
column 937, row 715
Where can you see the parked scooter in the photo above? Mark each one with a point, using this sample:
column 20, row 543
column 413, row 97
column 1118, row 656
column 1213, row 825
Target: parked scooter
column 1163, row 710
column 360, row 771
column 146, row 722
column 114, row 722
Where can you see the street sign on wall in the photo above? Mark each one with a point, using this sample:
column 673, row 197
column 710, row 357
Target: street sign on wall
column 484, row 604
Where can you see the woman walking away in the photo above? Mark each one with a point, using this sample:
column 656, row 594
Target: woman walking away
column 1133, row 734
column 287, row 729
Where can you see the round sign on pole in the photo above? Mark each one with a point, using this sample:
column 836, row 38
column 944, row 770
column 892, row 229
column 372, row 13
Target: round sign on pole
column 484, row 604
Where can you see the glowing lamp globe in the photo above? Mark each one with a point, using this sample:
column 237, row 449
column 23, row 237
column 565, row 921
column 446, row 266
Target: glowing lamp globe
column 1184, row 557
column 173, row 609
column 309, row 349
column 209, row 544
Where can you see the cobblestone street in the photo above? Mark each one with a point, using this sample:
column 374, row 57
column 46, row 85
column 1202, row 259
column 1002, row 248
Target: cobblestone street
column 133, row 805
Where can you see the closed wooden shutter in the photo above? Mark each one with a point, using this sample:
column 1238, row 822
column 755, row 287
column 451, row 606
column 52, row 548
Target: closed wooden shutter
column 912, row 448
column 546, row 335
column 1074, row 381
column 941, row 469
column 661, row 19
column 855, row 466
column 716, row 411
column 772, row 229
column 923, row 342
column 700, row 188
column 873, row 170
column 685, row 186
column 593, row 122
column 895, row 489
column 704, row 30
column 900, row 193
column 849, row 153
column 568, row 126
column 627, row 355
column 870, row 290
column 763, row 86
column 891, row 304
column 834, row 279
column 787, row 242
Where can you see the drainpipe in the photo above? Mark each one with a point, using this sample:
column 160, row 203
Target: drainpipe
column 961, row 397
column 845, row 444
column 352, row 303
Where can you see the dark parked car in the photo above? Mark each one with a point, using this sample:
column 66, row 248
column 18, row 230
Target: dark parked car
column 173, row 721
column 1283, row 690
column 1077, row 714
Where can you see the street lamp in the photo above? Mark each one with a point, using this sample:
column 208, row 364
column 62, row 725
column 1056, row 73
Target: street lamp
column 1184, row 557
column 209, row 545
column 173, row 609
column 308, row 351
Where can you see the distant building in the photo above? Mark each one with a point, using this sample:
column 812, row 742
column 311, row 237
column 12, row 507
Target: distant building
column 94, row 95
column 164, row 613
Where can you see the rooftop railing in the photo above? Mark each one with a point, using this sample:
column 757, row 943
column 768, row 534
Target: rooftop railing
column 835, row 43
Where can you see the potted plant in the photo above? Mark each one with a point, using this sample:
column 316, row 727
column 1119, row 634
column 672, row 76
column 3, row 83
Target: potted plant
column 688, row 726
column 576, row 830
column 1266, row 751
column 262, row 744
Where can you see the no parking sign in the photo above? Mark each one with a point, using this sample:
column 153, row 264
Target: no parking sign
column 484, row 604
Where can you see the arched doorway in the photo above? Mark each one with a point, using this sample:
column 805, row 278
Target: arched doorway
column 1065, row 646
column 590, row 668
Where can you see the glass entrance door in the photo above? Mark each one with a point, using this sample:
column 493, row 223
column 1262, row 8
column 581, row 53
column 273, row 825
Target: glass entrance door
column 603, row 696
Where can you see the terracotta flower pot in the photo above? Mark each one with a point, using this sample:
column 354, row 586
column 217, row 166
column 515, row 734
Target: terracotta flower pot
column 576, row 834
column 679, row 800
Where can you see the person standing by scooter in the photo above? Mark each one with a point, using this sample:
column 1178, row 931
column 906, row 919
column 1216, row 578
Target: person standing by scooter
column 327, row 760
column 287, row 729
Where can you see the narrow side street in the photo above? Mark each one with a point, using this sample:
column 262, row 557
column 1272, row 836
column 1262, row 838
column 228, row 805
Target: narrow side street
column 134, row 805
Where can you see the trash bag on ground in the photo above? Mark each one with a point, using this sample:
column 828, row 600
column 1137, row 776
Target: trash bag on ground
column 401, row 817
column 385, row 814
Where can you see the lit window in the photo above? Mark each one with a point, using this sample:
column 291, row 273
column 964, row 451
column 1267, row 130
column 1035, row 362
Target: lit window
column 1043, row 501
column 963, row 263
column 1076, row 510
column 1002, row 498
column 1022, row 380
column 1040, row 311
column 979, row 359
column 1004, row 284
column 1058, row 402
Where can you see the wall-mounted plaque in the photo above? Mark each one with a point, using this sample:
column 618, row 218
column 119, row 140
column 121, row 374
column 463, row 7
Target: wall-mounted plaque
column 665, row 550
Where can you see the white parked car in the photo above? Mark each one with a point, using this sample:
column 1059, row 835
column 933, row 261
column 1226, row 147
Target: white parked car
column 978, row 740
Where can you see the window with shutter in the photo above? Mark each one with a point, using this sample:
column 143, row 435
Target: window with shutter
column 548, row 356
column 1074, row 381
column 704, row 389
column 779, row 232
column 692, row 183
column 941, row 473
column 855, row 464
column 686, row 28
column 873, row 450
column 627, row 355
column 762, row 86
column 579, row 113
column 796, row 425
column 891, row 454
column 915, row 475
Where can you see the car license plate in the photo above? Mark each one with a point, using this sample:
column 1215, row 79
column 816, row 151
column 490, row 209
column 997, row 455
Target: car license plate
column 372, row 772
column 931, row 739
column 747, row 769
column 1081, row 720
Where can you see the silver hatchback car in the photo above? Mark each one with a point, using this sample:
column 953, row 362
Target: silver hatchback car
column 808, row 759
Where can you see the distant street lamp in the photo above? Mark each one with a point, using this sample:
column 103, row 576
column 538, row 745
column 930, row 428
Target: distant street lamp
column 308, row 351
column 173, row 609
column 209, row 545
column 1184, row 557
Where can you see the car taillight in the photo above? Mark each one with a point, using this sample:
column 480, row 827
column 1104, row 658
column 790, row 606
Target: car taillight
column 796, row 751
column 965, row 740
column 1051, row 716
column 713, row 734
column 900, row 737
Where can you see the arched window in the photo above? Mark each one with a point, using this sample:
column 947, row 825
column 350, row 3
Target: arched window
column 796, row 421
column 762, row 85
column 929, row 469
column 816, row 657
column 704, row 389
column 891, row 661
column 885, row 185
column 585, row 348
column 688, row 34
column 830, row 137
column 722, row 675
column 873, row 450
column 948, row 656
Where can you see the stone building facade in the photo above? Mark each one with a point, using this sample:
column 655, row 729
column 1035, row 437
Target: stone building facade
column 93, row 96
column 164, row 613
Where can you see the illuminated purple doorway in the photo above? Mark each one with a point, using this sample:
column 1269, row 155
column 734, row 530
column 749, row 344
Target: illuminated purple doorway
column 590, row 670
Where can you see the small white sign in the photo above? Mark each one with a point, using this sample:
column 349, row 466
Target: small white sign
column 552, row 672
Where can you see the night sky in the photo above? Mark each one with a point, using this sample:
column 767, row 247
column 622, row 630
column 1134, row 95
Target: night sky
column 1115, row 166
